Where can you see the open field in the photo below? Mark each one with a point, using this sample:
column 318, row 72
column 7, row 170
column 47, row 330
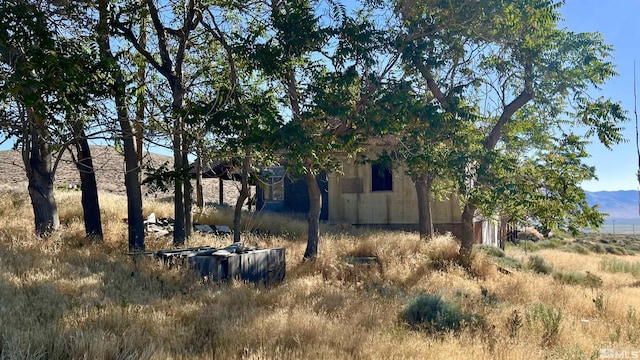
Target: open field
column 62, row 298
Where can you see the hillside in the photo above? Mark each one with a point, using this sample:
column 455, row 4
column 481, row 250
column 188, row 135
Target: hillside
column 109, row 165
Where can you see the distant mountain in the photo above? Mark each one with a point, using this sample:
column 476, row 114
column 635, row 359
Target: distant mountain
column 621, row 204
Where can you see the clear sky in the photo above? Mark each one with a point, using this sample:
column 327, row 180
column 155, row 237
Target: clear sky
column 619, row 22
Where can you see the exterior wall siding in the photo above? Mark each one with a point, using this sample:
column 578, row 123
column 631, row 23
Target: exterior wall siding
column 396, row 207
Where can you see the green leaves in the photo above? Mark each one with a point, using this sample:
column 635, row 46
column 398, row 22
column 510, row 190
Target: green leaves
column 602, row 117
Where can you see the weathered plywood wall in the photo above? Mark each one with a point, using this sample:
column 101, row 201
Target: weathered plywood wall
column 352, row 201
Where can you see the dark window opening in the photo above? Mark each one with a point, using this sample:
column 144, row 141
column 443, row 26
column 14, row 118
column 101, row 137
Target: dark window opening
column 381, row 178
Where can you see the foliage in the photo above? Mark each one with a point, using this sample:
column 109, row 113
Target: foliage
column 492, row 251
column 613, row 265
column 524, row 80
column 549, row 317
column 539, row 265
column 577, row 278
column 509, row 262
column 432, row 314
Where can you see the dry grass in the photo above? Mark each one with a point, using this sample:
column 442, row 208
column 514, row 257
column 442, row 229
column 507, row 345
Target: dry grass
column 61, row 298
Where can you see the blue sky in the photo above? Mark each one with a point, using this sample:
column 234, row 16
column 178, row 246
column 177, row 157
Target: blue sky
column 619, row 22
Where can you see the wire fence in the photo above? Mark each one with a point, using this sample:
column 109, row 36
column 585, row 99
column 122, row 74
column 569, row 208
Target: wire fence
column 620, row 228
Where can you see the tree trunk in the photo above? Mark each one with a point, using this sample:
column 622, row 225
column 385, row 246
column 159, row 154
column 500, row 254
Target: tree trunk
column 313, row 225
column 244, row 194
column 425, row 221
column 466, row 220
column 199, row 192
column 135, row 220
column 37, row 160
column 188, row 189
column 89, row 187
column 179, row 235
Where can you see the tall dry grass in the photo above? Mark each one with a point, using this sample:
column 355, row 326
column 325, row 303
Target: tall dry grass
column 61, row 298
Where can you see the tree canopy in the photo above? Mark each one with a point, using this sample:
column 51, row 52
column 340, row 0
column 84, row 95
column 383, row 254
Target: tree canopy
column 489, row 99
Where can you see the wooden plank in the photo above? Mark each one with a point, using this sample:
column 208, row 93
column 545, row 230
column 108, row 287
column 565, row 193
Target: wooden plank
column 208, row 266
column 232, row 269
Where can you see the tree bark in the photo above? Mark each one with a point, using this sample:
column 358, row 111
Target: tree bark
column 37, row 160
column 89, row 188
column 425, row 221
column 466, row 220
column 135, row 220
column 179, row 235
column 313, row 221
column 199, row 192
column 188, row 198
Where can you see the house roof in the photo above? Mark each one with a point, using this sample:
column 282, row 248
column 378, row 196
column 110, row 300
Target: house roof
column 224, row 169
column 221, row 169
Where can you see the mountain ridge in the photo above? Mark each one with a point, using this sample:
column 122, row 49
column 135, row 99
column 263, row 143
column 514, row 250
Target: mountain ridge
column 619, row 204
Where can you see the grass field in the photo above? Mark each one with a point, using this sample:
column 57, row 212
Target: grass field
column 64, row 299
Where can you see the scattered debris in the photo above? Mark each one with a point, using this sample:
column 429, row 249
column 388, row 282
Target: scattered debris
column 213, row 229
column 367, row 261
column 164, row 226
column 234, row 262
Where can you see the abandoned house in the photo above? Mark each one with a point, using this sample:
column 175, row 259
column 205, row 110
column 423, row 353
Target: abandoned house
column 366, row 194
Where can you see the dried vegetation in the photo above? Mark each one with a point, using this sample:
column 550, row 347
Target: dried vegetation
column 62, row 298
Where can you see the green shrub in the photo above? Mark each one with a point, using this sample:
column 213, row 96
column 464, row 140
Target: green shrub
column 492, row 251
column 529, row 246
column 578, row 248
column 508, row 262
column 432, row 314
column 597, row 248
column 537, row 264
column 620, row 266
column 615, row 250
column 552, row 243
column 576, row 278
column 549, row 317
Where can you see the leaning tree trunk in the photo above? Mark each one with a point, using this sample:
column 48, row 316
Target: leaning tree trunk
column 423, row 186
column 89, row 187
column 313, row 224
column 37, row 160
column 467, row 231
column 244, row 194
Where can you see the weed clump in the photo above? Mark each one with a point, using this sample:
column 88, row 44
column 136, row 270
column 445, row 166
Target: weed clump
column 514, row 323
column 432, row 314
column 509, row 262
column 620, row 266
column 550, row 318
column 538, row 265
column 577, row 278
column 492, row 251
column 442, row 252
